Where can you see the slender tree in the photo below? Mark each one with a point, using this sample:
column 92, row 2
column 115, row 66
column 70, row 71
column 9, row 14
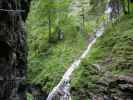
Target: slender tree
column 49, row 25
column 128, row 6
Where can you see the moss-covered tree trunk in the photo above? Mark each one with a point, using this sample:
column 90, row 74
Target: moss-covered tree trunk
column 13, row 50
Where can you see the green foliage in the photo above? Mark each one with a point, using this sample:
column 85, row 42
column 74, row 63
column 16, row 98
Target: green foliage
column 29, row 96
column 112, row 51
column 127, row 6
column 48, row 61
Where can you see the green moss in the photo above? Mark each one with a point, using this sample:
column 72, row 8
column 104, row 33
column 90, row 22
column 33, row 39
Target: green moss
column 113, row 52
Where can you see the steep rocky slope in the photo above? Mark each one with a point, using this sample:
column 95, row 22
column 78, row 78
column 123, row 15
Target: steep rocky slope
column 106, row 74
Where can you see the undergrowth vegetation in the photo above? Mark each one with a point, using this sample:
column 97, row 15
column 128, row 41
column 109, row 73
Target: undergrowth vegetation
column 49, row 60
column 58, row 35
column 112, row 53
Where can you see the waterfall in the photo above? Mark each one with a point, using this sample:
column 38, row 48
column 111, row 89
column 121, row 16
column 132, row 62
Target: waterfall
column 62, row 90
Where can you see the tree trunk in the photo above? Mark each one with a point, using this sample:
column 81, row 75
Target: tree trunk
column 83, row 20
column 123, row 6
column 49, row 26
column 128, row 6
column 13, row 50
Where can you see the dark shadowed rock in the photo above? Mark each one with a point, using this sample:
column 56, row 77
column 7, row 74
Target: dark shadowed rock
column 13, row 50
column 115, row 88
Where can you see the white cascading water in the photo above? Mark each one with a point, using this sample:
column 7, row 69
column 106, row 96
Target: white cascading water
column 62, row 90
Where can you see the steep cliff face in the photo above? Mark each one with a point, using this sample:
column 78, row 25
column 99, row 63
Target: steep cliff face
column 13, row 54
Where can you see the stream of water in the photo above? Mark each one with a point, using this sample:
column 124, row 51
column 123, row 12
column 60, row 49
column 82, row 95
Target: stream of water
column 62, row 90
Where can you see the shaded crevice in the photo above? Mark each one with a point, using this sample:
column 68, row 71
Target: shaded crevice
column 5, row 50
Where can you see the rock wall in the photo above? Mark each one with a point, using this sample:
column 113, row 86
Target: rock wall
column 13, row 50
